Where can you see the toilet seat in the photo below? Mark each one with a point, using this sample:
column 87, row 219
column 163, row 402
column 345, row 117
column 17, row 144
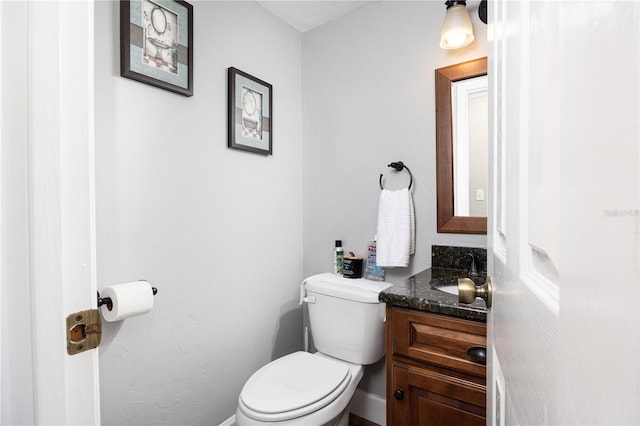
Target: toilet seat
column 293, row 386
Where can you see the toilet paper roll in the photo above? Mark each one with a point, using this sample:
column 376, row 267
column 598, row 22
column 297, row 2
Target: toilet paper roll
column 127, row 300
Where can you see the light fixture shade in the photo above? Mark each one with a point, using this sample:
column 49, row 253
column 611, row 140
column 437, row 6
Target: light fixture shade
column 456, row 29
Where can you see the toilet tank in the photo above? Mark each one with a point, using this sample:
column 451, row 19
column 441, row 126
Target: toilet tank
column 346, row 318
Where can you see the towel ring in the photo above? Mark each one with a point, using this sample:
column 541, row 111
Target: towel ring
column 399, row 165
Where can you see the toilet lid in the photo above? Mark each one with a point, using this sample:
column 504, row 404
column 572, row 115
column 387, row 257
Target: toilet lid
column 294, row 382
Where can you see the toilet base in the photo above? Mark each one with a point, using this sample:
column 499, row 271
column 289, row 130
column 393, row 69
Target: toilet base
column 343, row 420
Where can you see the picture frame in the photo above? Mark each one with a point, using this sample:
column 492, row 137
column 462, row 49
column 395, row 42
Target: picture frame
column 250, row 113
column 156, row 43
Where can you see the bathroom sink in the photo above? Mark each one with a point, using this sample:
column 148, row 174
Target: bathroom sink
column 451, row 289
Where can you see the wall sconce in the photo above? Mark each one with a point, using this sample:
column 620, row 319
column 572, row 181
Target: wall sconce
column 482, row 11
column 456, row 29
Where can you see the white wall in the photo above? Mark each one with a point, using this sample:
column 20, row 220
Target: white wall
column 217, row 231
column 478, row 153
column 368, row 100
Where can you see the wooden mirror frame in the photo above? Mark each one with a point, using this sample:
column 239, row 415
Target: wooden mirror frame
column 447, row 222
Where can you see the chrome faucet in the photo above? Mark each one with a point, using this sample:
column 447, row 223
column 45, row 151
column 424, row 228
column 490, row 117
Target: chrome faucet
column 473, row 270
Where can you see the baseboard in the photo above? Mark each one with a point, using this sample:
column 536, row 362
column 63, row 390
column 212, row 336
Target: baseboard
column 231, row 421
column 369, row 406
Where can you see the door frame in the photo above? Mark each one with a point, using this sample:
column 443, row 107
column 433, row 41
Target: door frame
column 60, row 184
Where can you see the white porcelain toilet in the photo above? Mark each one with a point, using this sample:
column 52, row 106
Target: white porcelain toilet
column 347, row 325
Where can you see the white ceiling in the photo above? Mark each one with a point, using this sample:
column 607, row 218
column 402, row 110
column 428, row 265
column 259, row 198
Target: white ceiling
column 304, row 15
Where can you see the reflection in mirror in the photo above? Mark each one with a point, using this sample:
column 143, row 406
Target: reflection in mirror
column 470, row 121
column 463, row 214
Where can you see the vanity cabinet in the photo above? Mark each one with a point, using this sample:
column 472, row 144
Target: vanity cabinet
column 431, row 378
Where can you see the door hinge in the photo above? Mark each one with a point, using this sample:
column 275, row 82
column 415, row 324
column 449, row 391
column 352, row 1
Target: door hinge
column 84, row 331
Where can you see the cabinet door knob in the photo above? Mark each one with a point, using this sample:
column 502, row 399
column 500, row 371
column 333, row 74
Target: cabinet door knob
column 398, row 394
column 478, row 354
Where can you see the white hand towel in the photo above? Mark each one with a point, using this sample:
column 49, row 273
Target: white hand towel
column 412, row 222
column 396, row 228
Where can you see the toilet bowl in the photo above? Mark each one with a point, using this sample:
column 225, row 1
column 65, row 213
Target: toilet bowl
column 299, row 389
column 304, row 389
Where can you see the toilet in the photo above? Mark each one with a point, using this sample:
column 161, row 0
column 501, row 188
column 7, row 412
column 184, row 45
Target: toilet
column 347, row 326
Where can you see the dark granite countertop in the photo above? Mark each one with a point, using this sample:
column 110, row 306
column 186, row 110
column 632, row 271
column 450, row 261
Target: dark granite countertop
column 421, row 292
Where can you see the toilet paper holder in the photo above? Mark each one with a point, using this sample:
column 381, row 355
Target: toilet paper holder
column 107, row 300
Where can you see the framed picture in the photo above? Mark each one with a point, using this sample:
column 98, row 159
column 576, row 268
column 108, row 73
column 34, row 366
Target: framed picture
column 156, row 43
column 250, row 113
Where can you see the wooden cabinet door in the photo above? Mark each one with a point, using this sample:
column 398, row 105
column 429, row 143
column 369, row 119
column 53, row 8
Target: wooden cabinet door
column 423, row 397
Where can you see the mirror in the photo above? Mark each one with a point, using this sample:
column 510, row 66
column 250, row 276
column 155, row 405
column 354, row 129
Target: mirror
column 453, row 177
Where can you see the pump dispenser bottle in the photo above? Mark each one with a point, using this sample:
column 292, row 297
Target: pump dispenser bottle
column 371, row 270
column 338, row 257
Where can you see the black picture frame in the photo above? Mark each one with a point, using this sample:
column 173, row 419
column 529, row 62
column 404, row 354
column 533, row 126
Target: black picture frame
column 156, row 43
column 250, row 113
